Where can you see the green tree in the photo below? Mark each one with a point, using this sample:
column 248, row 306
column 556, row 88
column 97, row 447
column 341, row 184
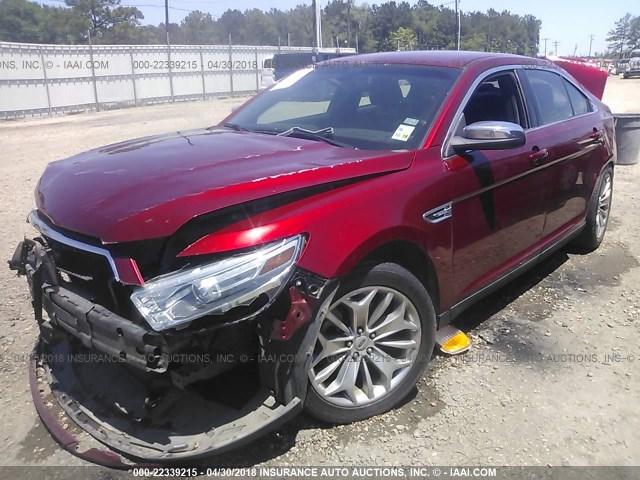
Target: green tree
column 125, row 27
column 404, row 38
column 63, row 25
column 96, row 12
column 300, row 25
column 198, row 28
column 619, row 37
column 389, row 17
column 260, row 28
column 20, row 21
column 634, row 33
column 370, row 28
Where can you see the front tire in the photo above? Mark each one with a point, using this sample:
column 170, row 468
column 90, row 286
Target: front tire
column 372, row 346
column 598, row 213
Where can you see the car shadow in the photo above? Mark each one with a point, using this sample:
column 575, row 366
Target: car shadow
column 279, row 442
column 484, row 309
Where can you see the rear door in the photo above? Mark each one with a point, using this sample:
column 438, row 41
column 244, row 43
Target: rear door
column 569, row 129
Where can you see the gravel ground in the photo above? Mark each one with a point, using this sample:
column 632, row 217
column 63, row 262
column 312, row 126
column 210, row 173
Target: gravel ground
column 552, row 377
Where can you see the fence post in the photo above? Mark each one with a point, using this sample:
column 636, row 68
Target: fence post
column 257, row 72
column 46, row 81
column 133, row 79
column 204, row 85
column 169, row 65
column 230, row 66
column 93, row 75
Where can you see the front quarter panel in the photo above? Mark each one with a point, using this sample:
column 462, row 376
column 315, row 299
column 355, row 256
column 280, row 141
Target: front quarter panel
column 345, row 224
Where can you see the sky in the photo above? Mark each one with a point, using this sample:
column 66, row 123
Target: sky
column 568, row 22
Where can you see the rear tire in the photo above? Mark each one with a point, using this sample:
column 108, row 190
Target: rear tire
column 373, row 345
column 598, row 213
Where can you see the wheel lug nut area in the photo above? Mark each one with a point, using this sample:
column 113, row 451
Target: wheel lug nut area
column 369, row 350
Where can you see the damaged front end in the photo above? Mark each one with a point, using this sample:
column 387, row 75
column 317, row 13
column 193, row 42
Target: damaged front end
column 188, row 364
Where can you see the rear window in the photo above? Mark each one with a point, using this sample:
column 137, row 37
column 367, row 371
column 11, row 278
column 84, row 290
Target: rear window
column 551, row 96
column 579, row 101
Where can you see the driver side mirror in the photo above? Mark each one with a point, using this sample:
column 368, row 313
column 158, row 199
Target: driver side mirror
column 489, row 135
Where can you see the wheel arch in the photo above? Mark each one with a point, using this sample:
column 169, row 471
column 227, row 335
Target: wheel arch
column 408, row 254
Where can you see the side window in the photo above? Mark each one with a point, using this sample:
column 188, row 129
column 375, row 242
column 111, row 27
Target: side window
column 496, row 98
column 579, row 101
column 551, row 96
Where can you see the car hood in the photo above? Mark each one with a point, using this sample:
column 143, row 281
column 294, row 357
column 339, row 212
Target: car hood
column 149, row 187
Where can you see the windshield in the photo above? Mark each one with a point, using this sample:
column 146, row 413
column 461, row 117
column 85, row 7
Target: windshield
column 378, row 107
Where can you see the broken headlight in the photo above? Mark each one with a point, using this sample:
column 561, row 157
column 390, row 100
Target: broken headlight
column 215, row 288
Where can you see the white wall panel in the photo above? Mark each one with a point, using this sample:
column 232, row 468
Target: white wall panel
column 73, row 73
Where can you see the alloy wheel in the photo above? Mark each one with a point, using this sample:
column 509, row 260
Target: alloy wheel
column 604, row 205
column 367, row 343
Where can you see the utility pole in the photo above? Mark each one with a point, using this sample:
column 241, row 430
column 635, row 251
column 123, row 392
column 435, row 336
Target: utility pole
column 555, row 44
column 349, row 22
column 545, row 45
column 590, row 44
column 166, row 19
column 458, row 20
column 315, row 24
column 166, row 27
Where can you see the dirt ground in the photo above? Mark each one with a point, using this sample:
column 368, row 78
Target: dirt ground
column 553, row 376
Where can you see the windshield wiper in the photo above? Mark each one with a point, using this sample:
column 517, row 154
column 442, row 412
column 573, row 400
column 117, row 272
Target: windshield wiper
column 321, row 135
column 235, row 126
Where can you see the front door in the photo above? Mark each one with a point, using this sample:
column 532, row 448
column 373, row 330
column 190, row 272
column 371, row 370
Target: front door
column 498, row 209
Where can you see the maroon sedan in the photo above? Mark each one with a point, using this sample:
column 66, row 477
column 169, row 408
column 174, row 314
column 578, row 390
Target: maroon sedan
column 311, row 244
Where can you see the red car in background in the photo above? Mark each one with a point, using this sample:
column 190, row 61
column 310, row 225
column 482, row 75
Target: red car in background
column 313, row 242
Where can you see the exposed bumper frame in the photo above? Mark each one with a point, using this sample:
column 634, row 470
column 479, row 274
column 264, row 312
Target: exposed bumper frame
column 283, row 380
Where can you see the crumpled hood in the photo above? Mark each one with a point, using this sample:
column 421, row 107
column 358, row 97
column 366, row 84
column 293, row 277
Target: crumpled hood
column 149, row 187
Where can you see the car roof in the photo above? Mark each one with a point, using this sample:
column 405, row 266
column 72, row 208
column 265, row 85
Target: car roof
column 442, row 58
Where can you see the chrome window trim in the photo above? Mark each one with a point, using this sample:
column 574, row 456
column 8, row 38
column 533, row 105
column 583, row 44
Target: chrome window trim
column 515, row 68
column 47, row 231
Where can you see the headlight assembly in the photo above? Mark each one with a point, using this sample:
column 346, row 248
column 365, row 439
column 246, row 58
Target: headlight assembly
column 177, row 298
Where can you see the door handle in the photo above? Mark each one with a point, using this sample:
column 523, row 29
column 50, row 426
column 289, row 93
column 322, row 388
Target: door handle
column 596, row 136
column 537, row 157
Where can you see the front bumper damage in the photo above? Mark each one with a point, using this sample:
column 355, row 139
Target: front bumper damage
column 113, row 377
